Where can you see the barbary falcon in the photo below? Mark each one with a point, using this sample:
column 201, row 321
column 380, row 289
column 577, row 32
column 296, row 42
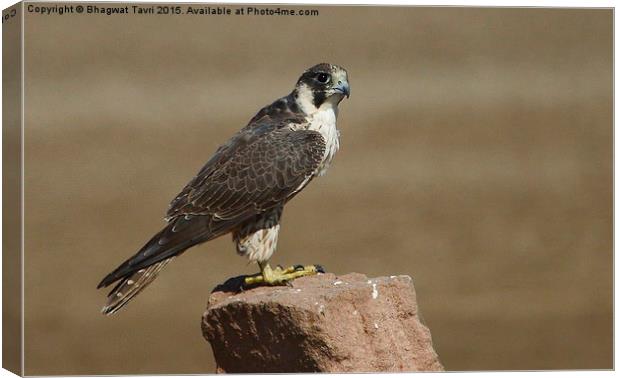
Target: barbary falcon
column 243, row 188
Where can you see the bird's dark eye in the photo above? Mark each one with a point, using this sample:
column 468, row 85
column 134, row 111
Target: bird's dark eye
column 322, row 77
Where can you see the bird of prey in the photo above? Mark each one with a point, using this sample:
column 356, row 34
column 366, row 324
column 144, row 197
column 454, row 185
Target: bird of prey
column 243, row 188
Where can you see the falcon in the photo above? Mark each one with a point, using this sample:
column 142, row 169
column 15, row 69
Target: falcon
column 243, row 188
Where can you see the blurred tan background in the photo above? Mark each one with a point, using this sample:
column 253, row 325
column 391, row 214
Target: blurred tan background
column 476, row 156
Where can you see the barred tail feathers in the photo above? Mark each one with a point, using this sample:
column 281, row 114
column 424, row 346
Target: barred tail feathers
column 130, row 286
column 141, row 269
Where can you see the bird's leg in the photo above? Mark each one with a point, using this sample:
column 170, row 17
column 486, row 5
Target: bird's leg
column 279, row 276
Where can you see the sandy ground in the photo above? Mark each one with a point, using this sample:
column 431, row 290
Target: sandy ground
column 476, row 156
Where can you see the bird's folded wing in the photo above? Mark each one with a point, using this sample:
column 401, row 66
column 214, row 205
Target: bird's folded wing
column 251, row 177
column 245, row 181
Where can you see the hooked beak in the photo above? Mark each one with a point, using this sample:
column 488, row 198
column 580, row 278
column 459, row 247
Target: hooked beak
column 343, row 87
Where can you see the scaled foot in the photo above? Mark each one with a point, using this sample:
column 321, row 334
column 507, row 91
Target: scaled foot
column 279, row 276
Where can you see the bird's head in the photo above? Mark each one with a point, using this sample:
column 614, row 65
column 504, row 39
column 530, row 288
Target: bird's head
column 321, row 85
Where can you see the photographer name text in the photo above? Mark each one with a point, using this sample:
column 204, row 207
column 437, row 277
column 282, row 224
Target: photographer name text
column 143, row 9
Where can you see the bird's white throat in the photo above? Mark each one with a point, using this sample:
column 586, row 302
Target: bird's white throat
column 323, row 120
